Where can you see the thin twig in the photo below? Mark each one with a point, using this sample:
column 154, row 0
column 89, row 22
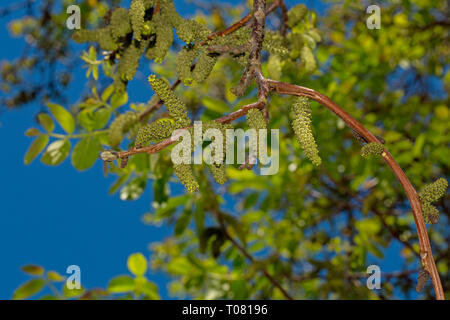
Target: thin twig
column 247, row 254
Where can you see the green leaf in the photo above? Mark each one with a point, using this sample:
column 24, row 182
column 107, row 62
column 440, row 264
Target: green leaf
column 150, row 290
column 182, row 222
column 137, row 264
column 46, row 122
column 55, row 276
column 85, row 153
column 107, row 92
column 35, row 148
column 32, row 132
column 119, row 99
column 33, row 270
column 72, row 293
column 28, row 289
column 94, row 119
column 215, row 105
column 121, row 284
column 56, row 152
column 63, row 117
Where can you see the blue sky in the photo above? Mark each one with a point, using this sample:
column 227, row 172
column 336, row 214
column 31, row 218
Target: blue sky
column 57, row 216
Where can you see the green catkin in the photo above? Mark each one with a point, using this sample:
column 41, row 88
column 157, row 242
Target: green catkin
column 219, row 172
column 296, row 14
column 372, row 149
column 176, row 107
column 273, row 43
column 222, row 127
column 188, row 31
column 255, row 120
column 204, row 66
column 164, row 39
column 129, row 61
column 120, row 126
column 148, row 4
column 274, row 68
column 218, row 168
column 434, row 191
column 155, row 131
column 186, row 175
column 430, row 213
column 308, row 59
column 301, row 123
column 120, row 23
column 102, row 36
column 185, row 59
column 137, row 13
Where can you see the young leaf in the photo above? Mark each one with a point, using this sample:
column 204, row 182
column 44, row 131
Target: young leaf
column 137, row 264
column 46, row 122
column 63, row 117
column 35, row 148
column 56, row 152
column 121, row 284
column 33, row 270
column 85, row 153
column 28, row 289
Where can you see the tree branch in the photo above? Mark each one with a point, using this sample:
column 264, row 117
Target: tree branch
column 224, row 32
column 425, row 246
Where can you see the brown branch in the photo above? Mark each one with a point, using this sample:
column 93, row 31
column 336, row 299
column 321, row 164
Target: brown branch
column 167, row 142
column 284, row 18
column 247, row 254
column 425, row 246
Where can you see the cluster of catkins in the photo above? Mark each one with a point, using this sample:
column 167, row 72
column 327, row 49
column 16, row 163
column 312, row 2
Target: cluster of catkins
column 145, row 29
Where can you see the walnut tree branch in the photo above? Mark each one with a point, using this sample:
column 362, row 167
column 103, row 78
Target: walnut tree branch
column 424, row 242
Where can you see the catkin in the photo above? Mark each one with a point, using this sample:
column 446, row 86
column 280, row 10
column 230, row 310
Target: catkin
column 188, row 31
column 273, row 43
column 301, row 123
column 120, row 126
column 255, row 120
column 430, row 213
column 186, row 175
column 102, row 36
column 120, row 23
column 164, row 39
column 434, row 191
column 129, row 61
column 307, row 56
column 296, row 14
column 155, row 131
column 137, row 13
column 204, row 66
column 372, row 149
column 219, row 173
column 185, row 59
column 176, row 107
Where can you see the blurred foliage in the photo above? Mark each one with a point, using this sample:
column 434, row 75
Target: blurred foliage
column 313, row 229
